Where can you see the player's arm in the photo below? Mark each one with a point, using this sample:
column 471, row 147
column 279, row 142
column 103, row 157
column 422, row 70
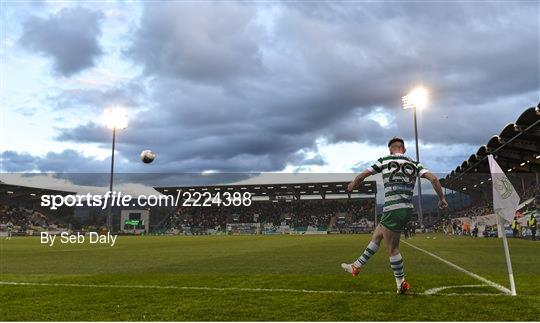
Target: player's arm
column 358, row 179
column 437, row 187
column 371, row 170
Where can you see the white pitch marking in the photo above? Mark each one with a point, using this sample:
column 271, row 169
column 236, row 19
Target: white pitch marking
column 233, row 289
column 438, row 289
column 311, row 291
column 465, row 271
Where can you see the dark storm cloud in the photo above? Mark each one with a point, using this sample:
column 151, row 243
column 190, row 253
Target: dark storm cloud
column 356, row 128
column 68, row 164
column 475, row 58
column 66, row 161
column 228, row 93
column 69, row 37
column 78, row 169
column 91, row 132
column 130, row 94
column 198, row 41
column 12, row 161
column 230, row 152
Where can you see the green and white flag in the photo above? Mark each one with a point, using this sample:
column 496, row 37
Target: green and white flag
column 505, row 197
column 505, row 204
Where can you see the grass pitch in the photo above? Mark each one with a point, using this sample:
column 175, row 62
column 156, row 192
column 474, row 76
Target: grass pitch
column 262, row 278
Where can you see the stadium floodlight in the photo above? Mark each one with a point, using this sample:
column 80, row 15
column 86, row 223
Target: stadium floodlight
column 113, row 118
column 415, row 100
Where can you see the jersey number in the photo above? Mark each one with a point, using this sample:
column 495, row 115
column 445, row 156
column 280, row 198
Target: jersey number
column 407, row 169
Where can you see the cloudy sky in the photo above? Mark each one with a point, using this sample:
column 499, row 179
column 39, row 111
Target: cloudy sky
column 259, row 86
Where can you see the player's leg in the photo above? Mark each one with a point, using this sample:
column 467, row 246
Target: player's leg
column 391, row 239
column 371, row 249
column 394, row 222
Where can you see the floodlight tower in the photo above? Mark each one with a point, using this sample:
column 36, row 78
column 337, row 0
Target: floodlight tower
column 113, row 118
column 417, row 99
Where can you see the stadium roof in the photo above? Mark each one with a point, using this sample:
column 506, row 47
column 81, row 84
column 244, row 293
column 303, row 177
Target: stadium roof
column 29, row 194
column 297, row 189
column 516, row 149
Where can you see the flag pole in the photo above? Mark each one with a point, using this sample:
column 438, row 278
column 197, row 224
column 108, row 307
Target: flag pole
column 507, row 256
column 505, row 204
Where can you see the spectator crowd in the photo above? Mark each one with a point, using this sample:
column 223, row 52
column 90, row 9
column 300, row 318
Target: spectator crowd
column 302, row 213
column 22, row 219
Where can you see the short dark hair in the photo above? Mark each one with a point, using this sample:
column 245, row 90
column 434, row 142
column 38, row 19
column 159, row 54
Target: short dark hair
column 395, row 139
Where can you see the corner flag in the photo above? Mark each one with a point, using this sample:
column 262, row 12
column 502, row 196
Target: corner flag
column 505, row 205
column 505, row 197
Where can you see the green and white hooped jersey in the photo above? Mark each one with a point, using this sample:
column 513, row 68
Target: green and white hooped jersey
column 399, row 177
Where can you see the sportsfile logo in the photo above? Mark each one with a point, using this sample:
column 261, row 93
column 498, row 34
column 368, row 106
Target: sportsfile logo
column 119, row 199
column 112, row 199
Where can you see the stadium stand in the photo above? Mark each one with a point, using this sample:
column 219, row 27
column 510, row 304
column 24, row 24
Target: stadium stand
column 303, row 207
column 20, row 205
column 517, row 150
column 299, row 215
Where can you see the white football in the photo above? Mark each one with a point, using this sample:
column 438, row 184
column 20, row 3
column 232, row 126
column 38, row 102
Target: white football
column 147, row 156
